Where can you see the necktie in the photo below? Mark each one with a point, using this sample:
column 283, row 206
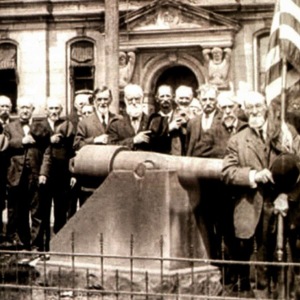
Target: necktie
column 24, row 122
column 261, row 135
column 103, row 122
column 231, row 129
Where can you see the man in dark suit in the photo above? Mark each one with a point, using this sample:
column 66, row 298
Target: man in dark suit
column 5, row 109
column 93, row 130
column 164, row 125
column 214, row 140
column 210, row 117
column 249, row 157
column 132, row 130
column 215, row 194
column 29, row 167
column 58, row 186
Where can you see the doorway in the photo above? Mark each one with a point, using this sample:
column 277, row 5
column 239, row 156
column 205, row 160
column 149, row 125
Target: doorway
column 176, row 76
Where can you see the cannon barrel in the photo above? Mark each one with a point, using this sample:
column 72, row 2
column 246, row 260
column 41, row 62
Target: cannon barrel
column 99, row 161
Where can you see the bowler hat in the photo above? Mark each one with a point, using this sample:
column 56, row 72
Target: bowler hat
column 285, row 171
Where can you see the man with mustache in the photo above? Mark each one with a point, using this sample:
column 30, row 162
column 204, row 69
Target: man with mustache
column 5, row 109
column 249, row 158
column 57, row 187
column 132, row 130
column 210, row 117
column 165, row 119
column 29, row 167
column 213, row 141
column 93, row 130
column 180, row 118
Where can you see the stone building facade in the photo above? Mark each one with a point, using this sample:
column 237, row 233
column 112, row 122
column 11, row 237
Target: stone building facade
column 57, row 47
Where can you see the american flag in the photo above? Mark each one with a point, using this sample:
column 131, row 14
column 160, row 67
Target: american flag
column 284, row 42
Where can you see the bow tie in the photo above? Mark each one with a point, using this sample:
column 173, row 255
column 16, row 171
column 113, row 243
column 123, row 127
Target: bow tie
column 24, row 122
column 135, row 119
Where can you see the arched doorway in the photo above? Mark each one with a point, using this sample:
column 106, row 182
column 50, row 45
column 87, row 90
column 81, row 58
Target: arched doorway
column 176, row 76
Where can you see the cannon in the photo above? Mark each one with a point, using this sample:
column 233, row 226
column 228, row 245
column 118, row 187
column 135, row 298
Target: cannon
column 144, row 206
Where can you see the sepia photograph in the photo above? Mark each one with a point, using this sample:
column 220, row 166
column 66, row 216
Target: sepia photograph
column 149, row 149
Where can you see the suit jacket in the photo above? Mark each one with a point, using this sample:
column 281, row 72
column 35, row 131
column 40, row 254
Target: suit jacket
column 33, row 156
column 213, row 142
column 63, row 150
column 91, row 127
column 160, row 139
column 195, row 131
column 246, row 151
column 121, row 132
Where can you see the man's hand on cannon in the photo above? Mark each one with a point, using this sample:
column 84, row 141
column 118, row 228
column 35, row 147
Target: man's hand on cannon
column 263, row 176
column 281, row 204
column 101, row 139
column 142, row 137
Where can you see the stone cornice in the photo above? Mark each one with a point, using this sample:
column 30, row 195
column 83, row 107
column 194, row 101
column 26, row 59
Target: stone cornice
column 76, row 10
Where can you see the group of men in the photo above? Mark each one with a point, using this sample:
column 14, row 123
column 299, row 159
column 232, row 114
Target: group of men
column 259, row 153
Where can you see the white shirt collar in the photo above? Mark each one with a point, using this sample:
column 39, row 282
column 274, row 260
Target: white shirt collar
column 100, row 116
column 168, row 115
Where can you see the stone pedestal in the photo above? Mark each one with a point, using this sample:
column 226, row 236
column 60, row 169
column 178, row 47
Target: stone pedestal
column 137, row 221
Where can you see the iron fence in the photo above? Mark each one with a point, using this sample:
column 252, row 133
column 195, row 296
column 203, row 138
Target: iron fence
column 55, row 275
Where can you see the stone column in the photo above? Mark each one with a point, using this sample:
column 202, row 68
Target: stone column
column 112, row 50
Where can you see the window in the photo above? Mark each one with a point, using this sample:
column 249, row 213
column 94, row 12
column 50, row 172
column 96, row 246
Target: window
column 260, row 52
column 82, row 66
column 8, row 72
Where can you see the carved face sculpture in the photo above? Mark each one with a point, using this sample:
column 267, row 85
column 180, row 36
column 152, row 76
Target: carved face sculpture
column 122, row 59
column 217, row 55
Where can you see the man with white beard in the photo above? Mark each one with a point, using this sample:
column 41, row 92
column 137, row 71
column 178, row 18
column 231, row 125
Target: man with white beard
column 93, row 130
column 249, row 157
column 131, row 131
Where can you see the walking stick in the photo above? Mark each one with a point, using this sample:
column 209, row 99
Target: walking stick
column 281, row 284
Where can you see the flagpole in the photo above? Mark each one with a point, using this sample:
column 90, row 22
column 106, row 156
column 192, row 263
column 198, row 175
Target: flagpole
column 283, row 88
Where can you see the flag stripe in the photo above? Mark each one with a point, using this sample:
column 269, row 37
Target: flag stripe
column 273, row 89
column 284, row 40
column 290, row 7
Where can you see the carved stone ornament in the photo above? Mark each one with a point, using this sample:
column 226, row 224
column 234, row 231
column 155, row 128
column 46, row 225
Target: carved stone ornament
column 126, row 67
column 8, row 56
column 166, row 18
column 217, row 62
column 82, row 52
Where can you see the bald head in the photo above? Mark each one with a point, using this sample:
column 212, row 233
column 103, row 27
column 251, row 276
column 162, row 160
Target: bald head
column 53, row 109
column 81, row 100
column 25, row 108
column 184, row 95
